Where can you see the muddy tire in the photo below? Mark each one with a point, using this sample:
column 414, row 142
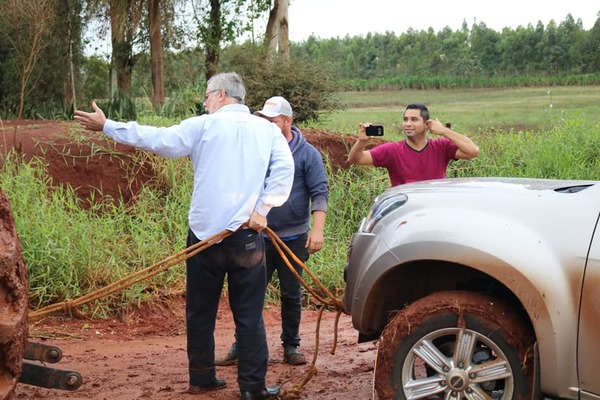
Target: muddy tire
column 455, row 345
column 13, row 302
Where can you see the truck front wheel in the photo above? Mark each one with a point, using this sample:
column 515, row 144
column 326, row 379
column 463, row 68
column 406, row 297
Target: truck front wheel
column 455, row 345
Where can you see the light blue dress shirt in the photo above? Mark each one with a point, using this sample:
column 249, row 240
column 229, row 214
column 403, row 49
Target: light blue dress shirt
column 242, row 163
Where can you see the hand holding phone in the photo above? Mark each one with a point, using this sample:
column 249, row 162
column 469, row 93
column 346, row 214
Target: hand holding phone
column 374, row 130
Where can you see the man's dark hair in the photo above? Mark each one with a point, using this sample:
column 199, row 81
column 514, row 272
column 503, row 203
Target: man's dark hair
column 421, row 107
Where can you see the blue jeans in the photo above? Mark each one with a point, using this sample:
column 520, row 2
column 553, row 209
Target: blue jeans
column 290, row 286
column 241, row 258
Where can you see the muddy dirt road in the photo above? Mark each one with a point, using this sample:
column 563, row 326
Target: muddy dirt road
column 145, row 357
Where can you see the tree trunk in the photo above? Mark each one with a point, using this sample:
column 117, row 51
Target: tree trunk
column 124, row 22
column 272, row 32
column 156, row 54
column 213, row 39
column 284, row 30
column 277, row 34
column 121, row 54
column 111, row 78
column 70, row 94
column 71, row 29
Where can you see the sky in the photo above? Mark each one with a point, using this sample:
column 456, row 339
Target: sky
column 338, row 18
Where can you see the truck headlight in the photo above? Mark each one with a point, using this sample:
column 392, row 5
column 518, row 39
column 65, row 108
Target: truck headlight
column 380, row 208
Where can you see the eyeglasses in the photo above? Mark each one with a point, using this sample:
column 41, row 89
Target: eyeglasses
column 209, row 93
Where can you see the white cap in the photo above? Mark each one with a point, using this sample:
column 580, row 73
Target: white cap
column 276, row 106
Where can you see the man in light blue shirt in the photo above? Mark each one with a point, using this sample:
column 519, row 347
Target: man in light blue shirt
column 243, row 167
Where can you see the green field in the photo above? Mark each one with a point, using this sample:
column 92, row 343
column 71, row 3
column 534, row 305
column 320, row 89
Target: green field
column 470, row 111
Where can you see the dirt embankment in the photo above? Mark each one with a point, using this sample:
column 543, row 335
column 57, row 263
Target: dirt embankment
column 95, row 165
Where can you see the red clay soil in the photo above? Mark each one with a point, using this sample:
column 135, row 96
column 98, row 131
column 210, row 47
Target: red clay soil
column 96, row 166
column 144, row 356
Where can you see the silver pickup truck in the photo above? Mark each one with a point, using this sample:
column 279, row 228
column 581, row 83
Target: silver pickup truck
column 480, row 288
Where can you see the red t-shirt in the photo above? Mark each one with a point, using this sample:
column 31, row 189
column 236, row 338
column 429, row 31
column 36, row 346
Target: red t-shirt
column 405, row 164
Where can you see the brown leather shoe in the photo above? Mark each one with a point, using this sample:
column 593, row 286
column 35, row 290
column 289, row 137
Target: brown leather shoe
column 266, row 393
column 216, row 385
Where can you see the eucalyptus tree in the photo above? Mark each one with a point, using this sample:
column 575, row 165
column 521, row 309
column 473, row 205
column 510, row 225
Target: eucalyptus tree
column 554, row 55
column 516, row 48
column 591, row 58
column 125, row 17
column 161, row 34
column 535, row 58
column 26, row 25
column 53, row 84
column 570, row 36
column 277, row 33
column 70, row 29
column 136, row 26
column 160, row 27
column 223, row 21
column 485, row 46
column 156, row 52
column 454, row 54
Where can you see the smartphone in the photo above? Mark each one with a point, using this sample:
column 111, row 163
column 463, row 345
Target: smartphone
column 374, row 130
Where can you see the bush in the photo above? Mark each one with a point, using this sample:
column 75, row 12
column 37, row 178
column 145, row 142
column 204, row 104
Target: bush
column 309, row 88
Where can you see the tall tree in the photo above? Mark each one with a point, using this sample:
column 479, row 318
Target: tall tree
column 485, row 43
column 220, row 21
column 27, row 22
column 69, row 28
column 517, row 48
column 554, row 56
column 135, row 26
column 592, row 49
column 213, row 37
column 571, row 39
column 156, row 52
column 208, row 20
column 125, row 17
column 277, row 33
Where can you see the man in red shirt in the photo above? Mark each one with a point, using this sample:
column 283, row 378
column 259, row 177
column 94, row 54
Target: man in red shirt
column 416, row 158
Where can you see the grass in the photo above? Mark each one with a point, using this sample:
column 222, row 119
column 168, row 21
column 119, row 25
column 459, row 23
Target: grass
column 469, row 111
column 100, row 246
column 108, row 243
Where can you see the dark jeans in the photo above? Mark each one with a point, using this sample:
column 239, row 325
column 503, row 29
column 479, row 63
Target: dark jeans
column 241, row 258
column 291, row 295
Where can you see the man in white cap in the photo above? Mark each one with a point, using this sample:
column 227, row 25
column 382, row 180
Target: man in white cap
column 291, row 223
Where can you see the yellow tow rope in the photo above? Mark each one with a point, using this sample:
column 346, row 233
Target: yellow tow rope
column 295, row 391
column 327, row 298
column 70, row 305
